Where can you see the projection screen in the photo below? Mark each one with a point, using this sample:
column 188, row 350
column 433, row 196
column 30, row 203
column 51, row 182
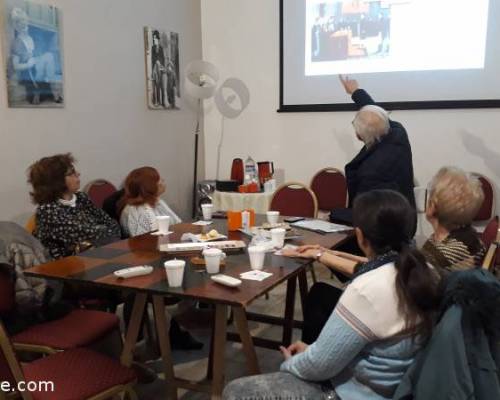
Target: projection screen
column 410, row 54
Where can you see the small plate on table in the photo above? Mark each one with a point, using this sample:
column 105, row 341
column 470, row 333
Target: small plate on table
column 205, row 237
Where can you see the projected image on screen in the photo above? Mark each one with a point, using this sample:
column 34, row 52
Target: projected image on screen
column 366, row 36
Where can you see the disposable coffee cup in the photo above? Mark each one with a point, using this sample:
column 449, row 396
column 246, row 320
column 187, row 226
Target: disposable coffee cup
column 278, row 237
column 163, row 224
column 213, row 258
column 272, row 217
column 207, row 210
column 175, row 272
column 257, row 255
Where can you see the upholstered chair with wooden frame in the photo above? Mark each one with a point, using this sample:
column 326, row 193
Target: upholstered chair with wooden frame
column 491, row 257
column 78, row 328
column 99, row 190
column 76, row 374
column 330, row 187
column 294, row 199
column 487, row 210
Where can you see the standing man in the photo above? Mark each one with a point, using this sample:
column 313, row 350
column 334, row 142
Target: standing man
column 385, row 161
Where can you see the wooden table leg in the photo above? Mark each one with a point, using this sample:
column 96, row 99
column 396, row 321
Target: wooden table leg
column 133, row 329
column 240, row 319
column 303, row 289
column 162, row 330
column 219, row 350
column 210, row 365
column 289, row 309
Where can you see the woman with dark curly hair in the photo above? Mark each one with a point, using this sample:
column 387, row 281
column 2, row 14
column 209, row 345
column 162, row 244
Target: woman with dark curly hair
column 66, row 220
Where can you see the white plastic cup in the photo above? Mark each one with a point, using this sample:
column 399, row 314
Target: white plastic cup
column 278, row 237
column 213, row 258
column 175, row 272
column 207, row 210
column 163, row 222
column 257, row 255
column 272, row 217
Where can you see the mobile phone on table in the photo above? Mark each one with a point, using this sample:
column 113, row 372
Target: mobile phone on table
column 293, row 219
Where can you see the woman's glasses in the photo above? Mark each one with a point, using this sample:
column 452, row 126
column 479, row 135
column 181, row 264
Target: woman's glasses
column 72, row 171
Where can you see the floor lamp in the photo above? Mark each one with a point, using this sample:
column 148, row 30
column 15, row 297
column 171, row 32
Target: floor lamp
column 200, row 83
column 231, row 98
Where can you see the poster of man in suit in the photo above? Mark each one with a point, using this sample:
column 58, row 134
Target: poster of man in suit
column 162, row 68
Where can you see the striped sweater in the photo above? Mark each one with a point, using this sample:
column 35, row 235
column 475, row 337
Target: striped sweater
column 461, row 249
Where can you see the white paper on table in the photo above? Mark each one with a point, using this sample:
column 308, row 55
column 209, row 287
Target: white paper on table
column 156, row 233
column 202, row 223
column 321, row 226
column 255, row 275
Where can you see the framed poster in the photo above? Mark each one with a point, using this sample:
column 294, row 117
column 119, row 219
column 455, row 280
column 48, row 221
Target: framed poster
column 162, row 68
column 33, row 54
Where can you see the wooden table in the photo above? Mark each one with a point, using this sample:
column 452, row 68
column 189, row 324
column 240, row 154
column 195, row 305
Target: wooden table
column 96, row 266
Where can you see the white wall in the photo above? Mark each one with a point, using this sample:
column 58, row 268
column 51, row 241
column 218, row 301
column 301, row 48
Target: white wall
column 105, row 122
column 241, row 37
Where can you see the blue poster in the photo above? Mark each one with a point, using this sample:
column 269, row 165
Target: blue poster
column 34, row 55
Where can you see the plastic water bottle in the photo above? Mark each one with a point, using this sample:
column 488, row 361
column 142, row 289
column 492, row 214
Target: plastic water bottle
column 250, row 171
column 245, row 220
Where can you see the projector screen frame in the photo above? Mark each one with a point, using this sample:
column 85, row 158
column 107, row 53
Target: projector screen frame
column 393, row 105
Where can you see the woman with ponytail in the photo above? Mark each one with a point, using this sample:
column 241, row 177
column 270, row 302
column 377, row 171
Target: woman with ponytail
column 379, row 323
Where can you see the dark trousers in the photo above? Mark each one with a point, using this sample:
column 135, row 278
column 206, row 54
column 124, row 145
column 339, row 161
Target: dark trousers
column 320, row 303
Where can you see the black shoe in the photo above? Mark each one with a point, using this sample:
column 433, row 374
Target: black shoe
column 184, row 341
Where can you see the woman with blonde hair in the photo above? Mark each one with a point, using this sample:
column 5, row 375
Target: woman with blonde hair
column 455, row 198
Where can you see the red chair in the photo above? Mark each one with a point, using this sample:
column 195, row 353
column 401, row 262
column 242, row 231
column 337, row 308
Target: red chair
column 99, row 190
column 490, row 232
column 487, row 209
column 70, row 375
column 78, row 328
column 295, row 199
column 491, row 239
column 330, row 187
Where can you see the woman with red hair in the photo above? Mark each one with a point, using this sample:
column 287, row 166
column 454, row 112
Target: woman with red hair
column 141, row 203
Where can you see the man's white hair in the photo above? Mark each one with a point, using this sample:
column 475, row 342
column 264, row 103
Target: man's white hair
column 371, row 123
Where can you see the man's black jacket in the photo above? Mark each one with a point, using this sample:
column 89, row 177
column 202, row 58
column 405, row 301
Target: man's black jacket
column 386, row 164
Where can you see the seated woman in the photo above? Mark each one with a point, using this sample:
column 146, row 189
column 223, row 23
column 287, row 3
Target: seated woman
column 141, row 203
column 66, row 220
column 379, row 324
column 455, row 198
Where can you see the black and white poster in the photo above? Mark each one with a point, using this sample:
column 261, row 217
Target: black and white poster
column 162, row 69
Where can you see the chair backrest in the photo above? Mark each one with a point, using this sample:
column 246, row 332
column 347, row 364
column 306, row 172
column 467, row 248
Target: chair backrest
column 99, row 190
column 7, row 289
column 330, row 187
column 10, row 369
column 31, row 224
column 295, row 199
column 487, row 209
column 490, row 232
column 492, row 242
